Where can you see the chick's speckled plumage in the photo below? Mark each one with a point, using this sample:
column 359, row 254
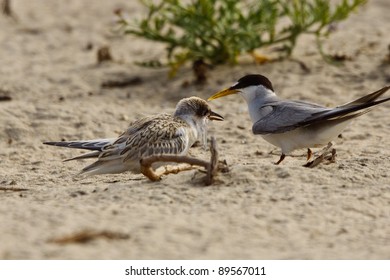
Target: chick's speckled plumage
column 162, row 134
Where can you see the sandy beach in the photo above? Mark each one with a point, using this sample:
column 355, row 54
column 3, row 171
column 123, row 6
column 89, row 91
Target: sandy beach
column 257, row 210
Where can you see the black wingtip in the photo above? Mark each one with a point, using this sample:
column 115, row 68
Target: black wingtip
column 50, row 143
column 94, row 145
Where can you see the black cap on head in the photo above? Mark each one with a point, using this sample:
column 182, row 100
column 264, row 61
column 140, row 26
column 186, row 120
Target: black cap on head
column 253, row 80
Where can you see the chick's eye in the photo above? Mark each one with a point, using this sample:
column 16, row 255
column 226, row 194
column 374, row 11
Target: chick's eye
column 203, row 112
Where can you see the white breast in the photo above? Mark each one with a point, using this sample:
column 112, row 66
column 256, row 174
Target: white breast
column 306, row 137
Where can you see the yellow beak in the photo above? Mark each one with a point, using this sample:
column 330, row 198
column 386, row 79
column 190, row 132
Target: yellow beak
column 223, row 93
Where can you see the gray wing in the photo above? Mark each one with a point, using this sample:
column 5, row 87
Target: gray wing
column 149, row 136
column 282, row 116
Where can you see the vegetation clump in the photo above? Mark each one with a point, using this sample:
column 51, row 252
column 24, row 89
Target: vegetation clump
column 219, row 31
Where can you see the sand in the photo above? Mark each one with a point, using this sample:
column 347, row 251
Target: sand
column 255, row 211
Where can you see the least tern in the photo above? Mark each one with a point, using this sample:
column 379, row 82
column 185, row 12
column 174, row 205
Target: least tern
column 292, row 125
column 163, row 137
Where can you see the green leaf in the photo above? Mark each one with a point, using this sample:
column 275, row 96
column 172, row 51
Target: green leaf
column 219, row 31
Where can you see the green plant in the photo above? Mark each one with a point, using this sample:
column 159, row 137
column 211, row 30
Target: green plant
column 218, row 31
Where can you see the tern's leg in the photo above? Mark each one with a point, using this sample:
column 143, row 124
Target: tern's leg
column 281, row 159
column 309, row 153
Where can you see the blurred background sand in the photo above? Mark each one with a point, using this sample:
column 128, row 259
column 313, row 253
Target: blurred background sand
column 255, row 211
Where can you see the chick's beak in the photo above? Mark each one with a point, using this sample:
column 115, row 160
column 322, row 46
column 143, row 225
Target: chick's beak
column 222, row 93
column 215, row 117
